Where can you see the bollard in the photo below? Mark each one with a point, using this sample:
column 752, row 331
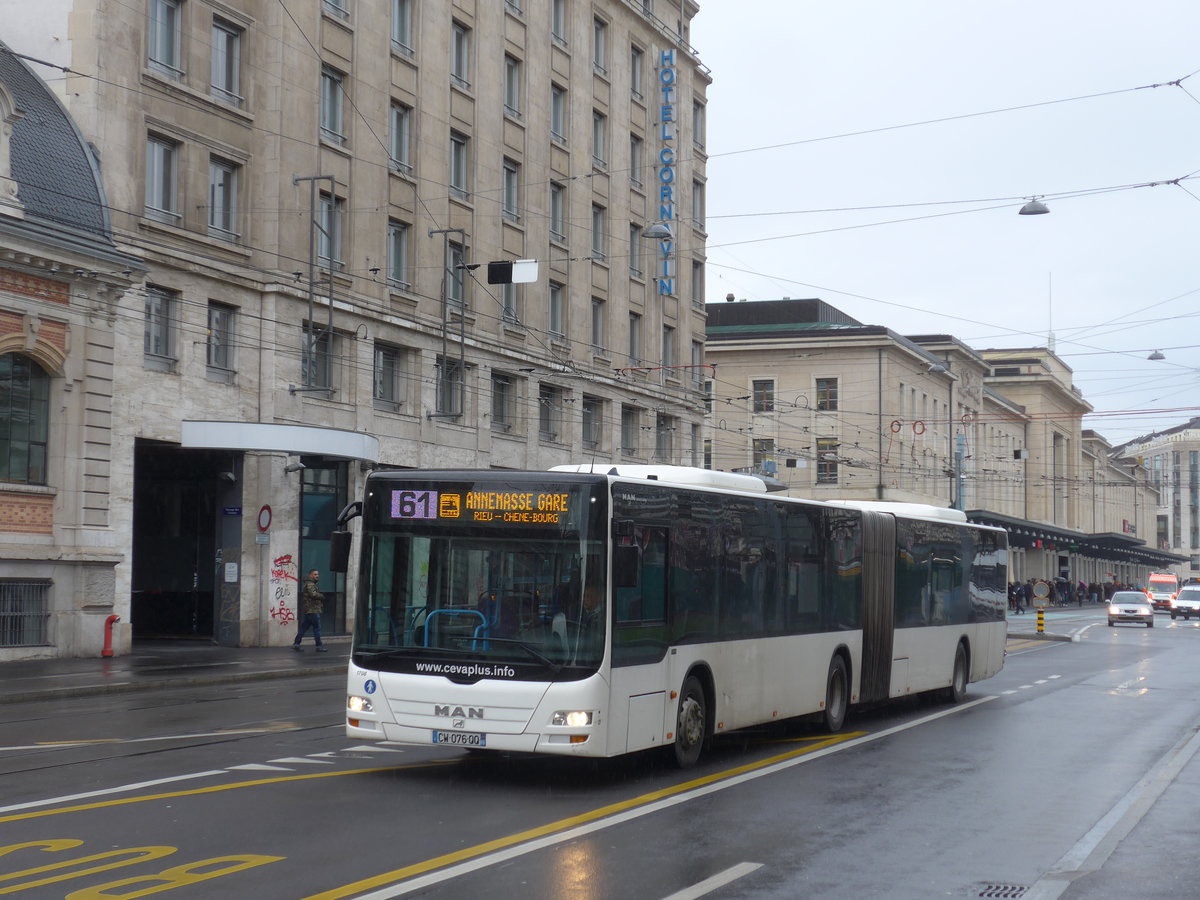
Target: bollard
column 1041, row 620
column 108, row 627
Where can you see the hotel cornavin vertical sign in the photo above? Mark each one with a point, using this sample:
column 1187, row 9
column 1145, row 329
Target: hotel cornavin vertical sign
column 666, row 169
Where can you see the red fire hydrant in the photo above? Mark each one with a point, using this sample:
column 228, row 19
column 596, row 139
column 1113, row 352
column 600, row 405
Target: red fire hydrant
column 108, row 627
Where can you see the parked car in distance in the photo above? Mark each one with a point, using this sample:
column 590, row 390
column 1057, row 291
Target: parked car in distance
column 1130, row 606
column 1187, row 602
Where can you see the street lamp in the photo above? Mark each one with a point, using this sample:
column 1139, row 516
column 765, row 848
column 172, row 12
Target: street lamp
column 1034, row 207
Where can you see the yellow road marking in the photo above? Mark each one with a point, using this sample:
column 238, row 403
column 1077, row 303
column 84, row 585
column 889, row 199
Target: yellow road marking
column 438, row 862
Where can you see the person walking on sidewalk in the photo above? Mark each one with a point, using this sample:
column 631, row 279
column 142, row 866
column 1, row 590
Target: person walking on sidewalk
column 312, row 603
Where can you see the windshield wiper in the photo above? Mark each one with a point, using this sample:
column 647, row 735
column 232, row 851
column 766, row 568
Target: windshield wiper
column 531, row 650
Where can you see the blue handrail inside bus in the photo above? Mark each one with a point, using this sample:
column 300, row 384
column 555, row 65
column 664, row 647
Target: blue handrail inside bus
column 453, row 613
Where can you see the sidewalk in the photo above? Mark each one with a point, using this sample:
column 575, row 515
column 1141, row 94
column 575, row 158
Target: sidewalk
column 157, row 664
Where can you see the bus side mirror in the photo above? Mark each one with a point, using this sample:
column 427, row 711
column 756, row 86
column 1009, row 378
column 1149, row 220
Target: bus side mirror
column 339, row 551
column 626, row 565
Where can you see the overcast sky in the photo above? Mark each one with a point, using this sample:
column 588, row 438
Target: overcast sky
column 812, row 118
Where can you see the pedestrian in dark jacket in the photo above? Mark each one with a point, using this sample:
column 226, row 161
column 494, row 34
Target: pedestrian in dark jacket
column 312, row 604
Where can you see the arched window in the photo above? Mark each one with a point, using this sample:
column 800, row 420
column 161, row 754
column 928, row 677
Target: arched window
column 24, row 419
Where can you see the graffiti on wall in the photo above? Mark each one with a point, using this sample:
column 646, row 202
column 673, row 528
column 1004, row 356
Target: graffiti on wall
column 283, row 571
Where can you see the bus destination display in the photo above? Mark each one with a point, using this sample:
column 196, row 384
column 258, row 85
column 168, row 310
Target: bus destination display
column 499, row 507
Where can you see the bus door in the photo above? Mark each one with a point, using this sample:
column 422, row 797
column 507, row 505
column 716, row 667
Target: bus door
column 639, row 636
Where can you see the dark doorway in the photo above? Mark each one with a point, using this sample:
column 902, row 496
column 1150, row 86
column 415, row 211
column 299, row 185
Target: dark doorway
column 175, row 568
column 323, row 494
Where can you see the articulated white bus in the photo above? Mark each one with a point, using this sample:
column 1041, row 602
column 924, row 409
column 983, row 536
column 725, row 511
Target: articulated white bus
column 596, row 613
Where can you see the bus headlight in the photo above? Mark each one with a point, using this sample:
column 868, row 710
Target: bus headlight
column 575, row 718
column 359, row 704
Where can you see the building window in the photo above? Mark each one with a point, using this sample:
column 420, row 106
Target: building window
column 317, row 362
column 762, row 452
column 220, row 336
column 222, row 199
column 698, row 214
column 668, row 348
column 24, row 419
column 400, row 137
column 558, row 20
column 460, row 56
column 827, row 461
column 332, row 82
column 598, row 317
column 402, row 26
column 555, row 324
column 510, row 205
column 459, row 183
column 162, row 179
column 337, row 8
column 549, row 412
column 763, row 394
column 635, row 338
column 592, row 422
column 558, row 212
column 501, row 402
column 450, row 386
column 699, row 123
column 226, row 74
column 512, row 85
column 664, row 446
column 387, row 372
column 513, row 6
column 827, row 394
column 697, row 365
column 630, row 427
column 456, row 276
column 158, row 336
column 600, row 46
column 163, row 42
column 599, row 139
column 636, row 151
column 24, row 613
column 635, row 250
column 636, row 65
column 558, row 114
column 697, row 284
column 599, row 231
column 329, row 231
column 708, row 396
column 397, row 242
column 508, row 303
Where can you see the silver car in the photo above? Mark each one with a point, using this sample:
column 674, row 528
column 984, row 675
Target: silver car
column 1130, row 606
column 1187, row 602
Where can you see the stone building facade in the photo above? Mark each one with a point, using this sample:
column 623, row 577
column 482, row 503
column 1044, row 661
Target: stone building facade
column 834, row 409
column 311, row 197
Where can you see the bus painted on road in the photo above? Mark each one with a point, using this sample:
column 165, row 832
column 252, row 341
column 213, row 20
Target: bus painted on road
column 597, row 613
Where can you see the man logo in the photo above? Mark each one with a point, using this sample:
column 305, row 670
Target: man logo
column 472, row 712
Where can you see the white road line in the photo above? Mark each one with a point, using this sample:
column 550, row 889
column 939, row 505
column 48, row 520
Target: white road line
column 490, row 859
column 301, row 760
column 371, row 748
column 708, row 885
column 1094, row 848
column 259, row 767
column 50, row 801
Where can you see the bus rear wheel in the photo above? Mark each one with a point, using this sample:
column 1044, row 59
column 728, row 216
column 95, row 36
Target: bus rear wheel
column 837, row 694
column 691, row 723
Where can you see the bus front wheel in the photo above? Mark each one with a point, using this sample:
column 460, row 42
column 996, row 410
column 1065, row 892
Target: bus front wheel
column 837, row 694
column 691, row 725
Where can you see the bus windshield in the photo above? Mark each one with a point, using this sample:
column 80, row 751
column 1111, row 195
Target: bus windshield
column 495, row 581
